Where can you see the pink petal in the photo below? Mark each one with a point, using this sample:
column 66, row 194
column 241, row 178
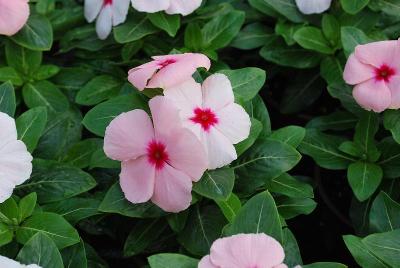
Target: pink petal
column 13, row 16
column 172, row 190
column 92, row 9
column 104, row 22
column 128, row 135
column 379, row 53
column 183, row 7
column 8, row 129
column 178, row 72
column 220, row 151
column 139, row 76
column 217, row 92
column 372, row 95
column 137, row 179
column 187, row 154
column 120, row 10
column 234, row 123
column 394, row 86
column 247, row 250
column 205, row 262
column 150, row 6
column 356, row 72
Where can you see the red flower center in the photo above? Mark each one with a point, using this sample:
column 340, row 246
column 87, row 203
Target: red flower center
column 165, row 63
column 205, row 117
column 384, row 73
column 107, row 2
column 157, row 154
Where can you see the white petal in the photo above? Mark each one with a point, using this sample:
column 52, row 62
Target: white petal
column 183, row 7
column 92, row 9
column 220, row 150
column 6, row 190
column 120, row 10
column 150, row 6
column 9, row 263
column 104, row 22
column 8, row 130
column 313, row 6
column 234, row 123
column 217, row 92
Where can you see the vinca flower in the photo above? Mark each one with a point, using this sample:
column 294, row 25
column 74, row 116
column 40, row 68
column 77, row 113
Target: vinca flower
column 167, row 71
column 374, row 70
column 313, row 6
column 13, row 16
column 9, row 263
column 109, row 13
column 15, row 160
column 183, row 7
column 160, row 159
column 210, row 112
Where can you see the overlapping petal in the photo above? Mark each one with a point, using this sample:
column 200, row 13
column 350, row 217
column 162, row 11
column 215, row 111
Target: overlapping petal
column 13, row 16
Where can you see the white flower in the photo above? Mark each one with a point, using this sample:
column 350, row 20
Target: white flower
column 183, row 7
column 210, row 112
column 313, row 6
column 15, row 160
column 108, row 13
column 9, row 263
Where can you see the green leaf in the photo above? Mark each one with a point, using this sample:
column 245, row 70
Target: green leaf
column 390, row 159
column 50, row 224
column 9, row 211
column 100, row 160
column 41, row 250
column 258, row 215
column 169, row 23
column 246, row 82
column 351, row 37
column 98, row 89
column 252, row 36
column 312, row 38
column 81, row 153
column 142, row 235
column 216, row 184
column 10, row 74
column 221, row 30
column 291, row 135
column 53, row 181
column 171, row 260
column 386, row 246
column 287, row 30
column 46, row 72
column 292, row 251
column 343, row 92
column 385, row 214
column 193, row 37
column 230, row 207
column 37, row 34
column 24, row 61
column 26, row 206
column 365, row 132
column 364, row 178
column 290, row 207
column 287, row 8
column 331, row 70
column 7, row 99
column 325, row 265
column 45, row 93
column 290, row 186
column 255, row 131
column 30, row 126
column 389, row 7
column 353, row 6
column 115, row 202
column 334, row 121
column 257, row 110
column 75, row 256
column 331, row 29
column 98, row 118
column 6, row 234
column 391, row 122
column 134, row 28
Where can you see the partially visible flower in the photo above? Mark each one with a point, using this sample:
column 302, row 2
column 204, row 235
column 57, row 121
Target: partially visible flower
column 15, row 160
column 109, row 13
column 211, row 113
column 313, row 6
column 13, row 16
column 183, row 7
column 245, row 251
column 9, row 263
column 160, row 160
column 374, row 69
column 167, row 71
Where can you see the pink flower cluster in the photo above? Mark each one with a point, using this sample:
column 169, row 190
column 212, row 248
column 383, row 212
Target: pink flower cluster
column 193, row 127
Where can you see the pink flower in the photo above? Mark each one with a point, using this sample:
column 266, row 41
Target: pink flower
column 15, row 160
column 183, row 7
column 13, row 16
column 210, row 112
column 109, row 13
column 245, row 251
column 167, row 71
column 374, row 69
column 158, row 162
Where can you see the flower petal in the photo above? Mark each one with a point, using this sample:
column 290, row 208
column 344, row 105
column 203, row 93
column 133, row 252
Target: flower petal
column 8, row 129
column 9, row 263
column 234, row 123
column 172, row 190
column 219, row 149
column 205, row 262
column 127, row 135
column 394, row 86
column 92, row 9
column 15, row 162
column 13, row 16
column 139, row 76
column 150, row 6
column 356, row 72
column 137, row 179
column 379, row 53
column 372, row 95
column 217, row 92
column 104, row 22
column 183, row 7
column 119, row 11
column 313, row 6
